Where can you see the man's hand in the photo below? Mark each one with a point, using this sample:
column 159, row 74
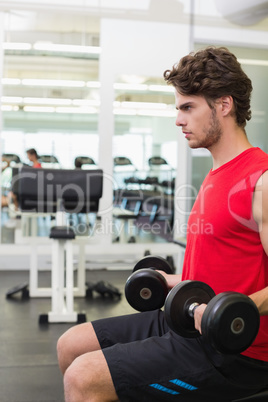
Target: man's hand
column 172, row 280
column 198, row 314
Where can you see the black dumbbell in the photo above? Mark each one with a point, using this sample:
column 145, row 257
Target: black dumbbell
column 230, row 322
column 146, row 289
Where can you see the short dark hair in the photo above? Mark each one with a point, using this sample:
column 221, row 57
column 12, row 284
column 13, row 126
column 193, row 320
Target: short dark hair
column 213, row 72
column 32, row 151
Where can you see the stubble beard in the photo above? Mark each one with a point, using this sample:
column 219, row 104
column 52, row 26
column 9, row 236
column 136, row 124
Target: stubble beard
column 212, row 133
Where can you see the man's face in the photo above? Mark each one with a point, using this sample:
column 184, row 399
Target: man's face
column 199, row 123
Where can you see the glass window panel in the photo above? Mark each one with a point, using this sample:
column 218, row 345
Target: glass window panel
column 50, row 97
column 145, row 133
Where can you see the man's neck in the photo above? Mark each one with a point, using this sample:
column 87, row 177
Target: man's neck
column 229, row 146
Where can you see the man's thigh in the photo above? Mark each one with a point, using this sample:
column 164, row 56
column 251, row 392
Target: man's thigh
column 130, row 328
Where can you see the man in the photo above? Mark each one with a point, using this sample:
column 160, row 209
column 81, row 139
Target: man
column 137, row 357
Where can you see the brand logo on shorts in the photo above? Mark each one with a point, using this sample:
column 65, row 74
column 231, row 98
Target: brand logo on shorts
column 176, row 382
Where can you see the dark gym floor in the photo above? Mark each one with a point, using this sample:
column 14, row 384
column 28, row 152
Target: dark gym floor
column 28, row 363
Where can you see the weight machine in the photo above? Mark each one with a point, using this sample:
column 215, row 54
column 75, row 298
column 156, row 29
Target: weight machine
column 58, row 191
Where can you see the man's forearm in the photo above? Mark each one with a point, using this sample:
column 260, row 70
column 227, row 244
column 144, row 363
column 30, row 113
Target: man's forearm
column 260, row 298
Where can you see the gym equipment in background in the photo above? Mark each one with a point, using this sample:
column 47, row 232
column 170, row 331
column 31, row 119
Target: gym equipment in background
column 59, row 191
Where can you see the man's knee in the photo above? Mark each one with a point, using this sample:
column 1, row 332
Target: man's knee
column 61, row 344
column 88, row 379
column 75, row 342
column 73, row 384
column 62, row 353
column 78, row 390
column 66, row 349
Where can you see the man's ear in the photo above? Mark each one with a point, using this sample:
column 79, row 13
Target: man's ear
column 227, row 104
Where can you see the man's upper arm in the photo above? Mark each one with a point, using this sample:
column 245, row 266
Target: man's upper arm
column 260, row 208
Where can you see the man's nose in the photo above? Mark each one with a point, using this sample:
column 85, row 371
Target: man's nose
column 180, row 120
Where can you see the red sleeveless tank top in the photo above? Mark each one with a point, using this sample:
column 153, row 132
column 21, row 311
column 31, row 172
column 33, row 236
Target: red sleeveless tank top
column 224, row 248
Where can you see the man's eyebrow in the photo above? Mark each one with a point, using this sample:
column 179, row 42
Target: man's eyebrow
column 183, row 105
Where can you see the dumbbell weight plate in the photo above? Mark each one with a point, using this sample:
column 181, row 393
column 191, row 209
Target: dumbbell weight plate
column 154, row 262
column 146, row 290
column 178, row 302
column 230, row 322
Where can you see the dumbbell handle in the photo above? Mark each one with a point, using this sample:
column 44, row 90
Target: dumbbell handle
column 192, row 308
column 237, row 325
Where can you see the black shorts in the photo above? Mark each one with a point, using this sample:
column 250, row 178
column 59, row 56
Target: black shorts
column 148, row 362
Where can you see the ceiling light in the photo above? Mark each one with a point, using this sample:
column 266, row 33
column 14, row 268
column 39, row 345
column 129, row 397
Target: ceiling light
column 53, row 47
column 11, row 99
column 131, row 87
column 9, row 108
column 39, row 109
column 16, row 46
column 126, row 5
column 157, row 113
column 83, row 110
column 52, row 83
column 11, row 81
column 47, row 101
column 144, row 105
column 86, row 102
column 161, row 88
